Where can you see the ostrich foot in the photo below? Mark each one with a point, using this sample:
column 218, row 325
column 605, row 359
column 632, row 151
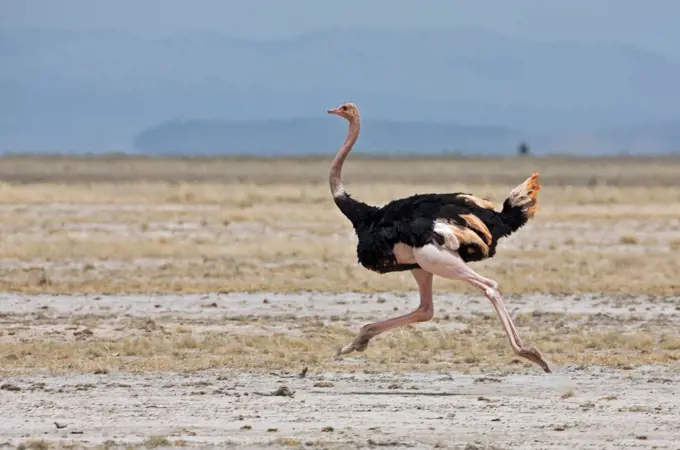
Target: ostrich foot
column 358, row 345
column 533, row 355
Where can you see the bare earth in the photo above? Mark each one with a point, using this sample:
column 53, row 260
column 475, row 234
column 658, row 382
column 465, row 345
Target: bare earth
column 160, row 302
column 609, row 410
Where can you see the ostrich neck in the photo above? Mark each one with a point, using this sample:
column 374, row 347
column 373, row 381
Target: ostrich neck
column 357, row 212
column 337, row 189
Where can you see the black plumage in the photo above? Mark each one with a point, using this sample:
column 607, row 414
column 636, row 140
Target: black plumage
column 411, row 221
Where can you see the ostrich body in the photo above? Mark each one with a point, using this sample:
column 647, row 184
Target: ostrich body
column 431, row 234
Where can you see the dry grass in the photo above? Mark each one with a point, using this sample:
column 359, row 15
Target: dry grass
column 183, row 225
column 151, row 442
column 480, row 342
column 543, row 272
column 363, row 169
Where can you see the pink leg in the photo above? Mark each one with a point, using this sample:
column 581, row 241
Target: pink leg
column 448, row 264
column 423, row 313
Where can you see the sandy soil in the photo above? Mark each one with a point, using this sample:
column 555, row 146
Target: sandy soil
column 575, row 407
column 608, row 410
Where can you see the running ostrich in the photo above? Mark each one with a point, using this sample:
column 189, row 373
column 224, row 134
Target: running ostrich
column 431, row 234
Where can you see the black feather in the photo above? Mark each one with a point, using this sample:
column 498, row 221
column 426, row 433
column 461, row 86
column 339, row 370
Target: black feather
column 411, row 221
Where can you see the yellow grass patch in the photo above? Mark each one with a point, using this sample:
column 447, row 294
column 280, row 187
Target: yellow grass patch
column 192, row 225
column 481, row 343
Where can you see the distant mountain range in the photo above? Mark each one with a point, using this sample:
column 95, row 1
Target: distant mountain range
column 314, row 136
column 419, row 91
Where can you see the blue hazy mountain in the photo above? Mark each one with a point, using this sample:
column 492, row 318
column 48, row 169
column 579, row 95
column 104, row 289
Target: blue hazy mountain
column 314, row 136
column 429, row 90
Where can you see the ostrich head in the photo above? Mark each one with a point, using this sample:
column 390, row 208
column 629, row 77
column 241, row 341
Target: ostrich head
column 347, row 111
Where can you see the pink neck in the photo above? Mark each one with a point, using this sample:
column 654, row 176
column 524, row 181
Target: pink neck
column 336, row 168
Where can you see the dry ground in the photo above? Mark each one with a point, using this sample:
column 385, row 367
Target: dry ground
column 132, row 287
column 245, row 225
column 200, row 370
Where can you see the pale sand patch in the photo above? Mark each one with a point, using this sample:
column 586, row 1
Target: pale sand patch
column 591, row 408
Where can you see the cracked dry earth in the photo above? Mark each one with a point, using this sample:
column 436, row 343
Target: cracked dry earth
column 359, row 402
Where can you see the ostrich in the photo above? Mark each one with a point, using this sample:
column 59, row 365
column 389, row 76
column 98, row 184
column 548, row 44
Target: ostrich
column 431, row 234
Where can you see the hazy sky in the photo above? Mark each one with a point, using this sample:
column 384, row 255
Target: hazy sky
column 651, row 23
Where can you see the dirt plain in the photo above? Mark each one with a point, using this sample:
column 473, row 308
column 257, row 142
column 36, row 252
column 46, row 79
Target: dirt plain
column 161, row 302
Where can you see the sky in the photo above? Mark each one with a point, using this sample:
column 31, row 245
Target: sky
column 650, row 24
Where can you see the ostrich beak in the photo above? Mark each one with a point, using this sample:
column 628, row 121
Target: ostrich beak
column 334, row 111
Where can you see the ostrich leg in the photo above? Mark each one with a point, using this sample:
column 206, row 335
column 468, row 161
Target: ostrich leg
column 450, row 265
column 423, row 313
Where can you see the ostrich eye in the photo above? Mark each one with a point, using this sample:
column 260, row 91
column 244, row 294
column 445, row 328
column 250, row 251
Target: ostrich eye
column 344, row 108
